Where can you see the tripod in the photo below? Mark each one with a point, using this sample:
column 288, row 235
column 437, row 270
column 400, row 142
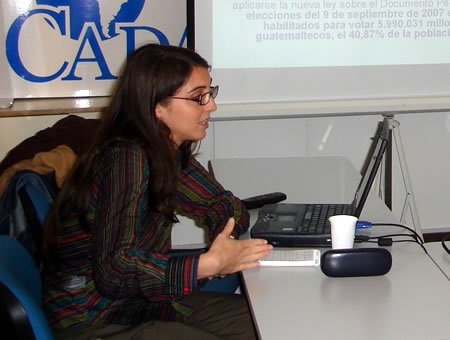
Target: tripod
column 409, row 202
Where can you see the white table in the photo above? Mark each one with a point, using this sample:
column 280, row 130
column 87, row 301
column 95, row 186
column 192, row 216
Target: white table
column 410, row 302
column 440, row 256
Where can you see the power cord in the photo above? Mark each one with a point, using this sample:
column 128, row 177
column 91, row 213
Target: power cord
column 444, row 239
column 416, row 235
column 387, row 240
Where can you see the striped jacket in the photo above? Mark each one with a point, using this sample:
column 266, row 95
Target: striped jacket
column 120, row 271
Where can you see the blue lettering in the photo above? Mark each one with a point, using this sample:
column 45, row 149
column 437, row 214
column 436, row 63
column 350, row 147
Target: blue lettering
column 12, row 45
column 131, row 36
column 90, row 38
column 183, row 37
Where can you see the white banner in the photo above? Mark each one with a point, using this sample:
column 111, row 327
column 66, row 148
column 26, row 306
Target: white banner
column 6, row 91
column 75, row 48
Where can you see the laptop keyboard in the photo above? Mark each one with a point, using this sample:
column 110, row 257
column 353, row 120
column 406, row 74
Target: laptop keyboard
column 316, row 217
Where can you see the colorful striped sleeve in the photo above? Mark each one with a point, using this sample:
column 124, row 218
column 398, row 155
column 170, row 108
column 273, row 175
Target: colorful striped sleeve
column 131, row 241
column 201, row 197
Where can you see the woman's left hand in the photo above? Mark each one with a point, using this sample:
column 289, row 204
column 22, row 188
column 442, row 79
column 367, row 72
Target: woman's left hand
column 227, row 256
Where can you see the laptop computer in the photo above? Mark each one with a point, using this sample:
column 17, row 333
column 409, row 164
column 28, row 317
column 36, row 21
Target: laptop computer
column 306, row 225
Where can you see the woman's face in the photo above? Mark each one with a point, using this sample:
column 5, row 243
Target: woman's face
column 186, row 119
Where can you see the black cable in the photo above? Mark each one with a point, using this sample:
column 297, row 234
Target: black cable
column 385, row 242
column 444, row 239
column 393, row 235
column 377, row 238
column 420, row 244
column 401, row 226
column 419, row 238
column 414, row 235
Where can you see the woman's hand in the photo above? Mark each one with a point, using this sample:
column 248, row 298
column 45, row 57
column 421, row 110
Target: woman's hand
column 227, row 256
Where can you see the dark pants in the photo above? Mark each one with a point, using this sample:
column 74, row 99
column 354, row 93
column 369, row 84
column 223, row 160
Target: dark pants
column 216, row 316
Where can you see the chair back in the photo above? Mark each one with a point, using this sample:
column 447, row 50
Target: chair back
column 24, row 206
column 21, row 292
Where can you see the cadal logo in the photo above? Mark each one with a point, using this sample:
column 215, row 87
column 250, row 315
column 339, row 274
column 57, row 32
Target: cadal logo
column 91, row 26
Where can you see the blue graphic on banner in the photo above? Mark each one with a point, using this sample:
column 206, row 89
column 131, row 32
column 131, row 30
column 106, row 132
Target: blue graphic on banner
column 87, row 20
column 104, row 14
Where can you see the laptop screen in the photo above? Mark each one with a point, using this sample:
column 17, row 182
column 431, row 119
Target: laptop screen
column 369, row 174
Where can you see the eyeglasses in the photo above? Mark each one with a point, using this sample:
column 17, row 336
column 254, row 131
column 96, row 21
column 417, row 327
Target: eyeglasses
column 204, row 98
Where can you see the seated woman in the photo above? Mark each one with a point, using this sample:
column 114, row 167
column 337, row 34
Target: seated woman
column 108, row 235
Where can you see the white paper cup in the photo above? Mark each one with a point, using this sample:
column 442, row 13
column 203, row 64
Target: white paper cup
column 342, row 231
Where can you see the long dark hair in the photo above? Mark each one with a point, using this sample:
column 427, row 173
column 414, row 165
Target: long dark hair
column 151, row 73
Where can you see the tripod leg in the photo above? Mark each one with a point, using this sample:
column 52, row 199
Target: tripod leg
column 409, row 200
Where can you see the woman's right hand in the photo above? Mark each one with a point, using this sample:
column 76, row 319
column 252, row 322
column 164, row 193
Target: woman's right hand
column 227, row 255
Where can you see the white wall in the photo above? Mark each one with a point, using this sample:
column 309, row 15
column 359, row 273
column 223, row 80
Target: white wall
column 425, row 137
column 13, row 130
column 426, row 141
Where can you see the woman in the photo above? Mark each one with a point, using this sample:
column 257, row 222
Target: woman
column 108, row 268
